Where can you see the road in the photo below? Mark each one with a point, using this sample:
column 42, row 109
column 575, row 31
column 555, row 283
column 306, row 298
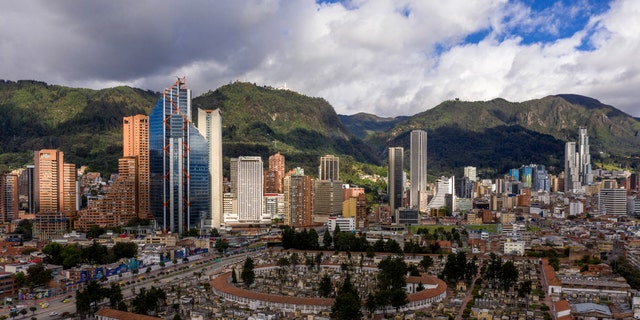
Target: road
column 207, row 264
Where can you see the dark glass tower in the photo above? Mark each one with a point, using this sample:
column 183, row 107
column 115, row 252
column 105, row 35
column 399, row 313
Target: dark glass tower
column 178, row 156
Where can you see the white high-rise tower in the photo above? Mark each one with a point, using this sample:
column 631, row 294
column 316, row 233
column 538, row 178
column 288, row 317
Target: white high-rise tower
column 418, row 166
column 210, row 126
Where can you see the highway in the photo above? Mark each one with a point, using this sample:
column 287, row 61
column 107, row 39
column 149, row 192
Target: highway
column 207, row 265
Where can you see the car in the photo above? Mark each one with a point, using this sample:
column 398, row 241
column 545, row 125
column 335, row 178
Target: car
column 66, row 300
column 53, row 314
column 44, row 305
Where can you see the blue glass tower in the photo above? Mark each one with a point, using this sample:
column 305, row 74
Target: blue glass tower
column 178, row 163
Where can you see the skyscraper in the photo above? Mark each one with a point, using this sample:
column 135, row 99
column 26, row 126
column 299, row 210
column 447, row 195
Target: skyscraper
column 418, row 167
column 329, row 168
column 8, row 197
column 135, row 143
column 577, row 165
column 51, row 192
column 298, row 199
column 395, row 185
column 584, row 160
column 246, row 181
column 210, row 126
column 274, row 178
column 178, row 162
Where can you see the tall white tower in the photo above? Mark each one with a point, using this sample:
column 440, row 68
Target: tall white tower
column 584, row 162
column 418, row 166
column 247, row 182
column 210, row 126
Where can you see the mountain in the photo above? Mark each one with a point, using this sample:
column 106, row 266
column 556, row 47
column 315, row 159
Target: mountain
column 498, row 134
column 261, row 120
column 85, row 124
column 361, row 124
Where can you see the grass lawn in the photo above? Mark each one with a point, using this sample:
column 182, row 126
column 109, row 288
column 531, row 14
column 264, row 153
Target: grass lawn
column 491, row 228
column 431, row 228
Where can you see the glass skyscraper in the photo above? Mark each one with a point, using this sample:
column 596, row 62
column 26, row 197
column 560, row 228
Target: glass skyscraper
column 178, row 156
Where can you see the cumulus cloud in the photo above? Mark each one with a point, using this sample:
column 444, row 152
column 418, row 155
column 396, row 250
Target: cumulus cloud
column 384, row 57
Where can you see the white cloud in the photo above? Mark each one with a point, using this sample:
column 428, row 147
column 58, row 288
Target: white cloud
column 384, row 57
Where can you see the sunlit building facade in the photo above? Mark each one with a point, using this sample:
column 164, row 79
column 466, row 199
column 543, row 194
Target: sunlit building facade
column 179, row 166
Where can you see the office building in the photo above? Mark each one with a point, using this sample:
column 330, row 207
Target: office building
column 210, row 126
column 418, row 167
column 444, row 186
column 246, row 184
column 327, row 199
column 55, row 183
column 577, row 169
column 395, row 177
column 329, row 168
column 274, row 177
column 26, row 185
column 470, row 172
column 178, row 162
column 612, row 201
column 8, row 197
column 298, row 199
column 135, row 143
column 584, row 160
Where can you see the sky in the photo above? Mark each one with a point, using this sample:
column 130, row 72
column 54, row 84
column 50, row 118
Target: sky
column 384, row 57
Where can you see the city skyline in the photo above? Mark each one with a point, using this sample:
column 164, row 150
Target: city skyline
column 365, row 56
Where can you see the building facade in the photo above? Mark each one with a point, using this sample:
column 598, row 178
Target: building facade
column 329, row 168
column 135, row 143
column 418, row 166
column 246, row 182
column 395, row 176
column 178, row 163
column 210, row 126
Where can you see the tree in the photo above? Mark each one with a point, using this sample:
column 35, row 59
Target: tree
column 248, row 276
column 214, row 233
column 222, row 245
column 95, row 232
column 325, row 288
column 124, row 250
column 426, row 263
column 53, row 251
column 234, row 277
column 20, row 278
column 509, row 274
column 25, row 228
column 193, row 232
column 327, row 240
column 33, row 310
column 347, row 302
column 115, row 295
column 71, row 256
column 391, row 283
column 38, row 275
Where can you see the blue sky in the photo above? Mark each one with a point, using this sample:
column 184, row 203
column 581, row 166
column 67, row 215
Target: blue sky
column 385, row 57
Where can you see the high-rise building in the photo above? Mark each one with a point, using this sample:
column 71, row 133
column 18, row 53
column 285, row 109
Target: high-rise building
column 418, row 167
column 8, row 197
column 274, row 178
column 135, row 143
column 246, row 182
column 298, row 199
column 329, row 168
column 26, row 185
column 395, row 177
column 470, row 172
column 612, row 201
column 55, row 182
column 584, row 160
column 444, row 186
column 541, row 181
column 577, row 168
column 327, row 199
column 571, row 179
column 210, row 126
column 178, row 162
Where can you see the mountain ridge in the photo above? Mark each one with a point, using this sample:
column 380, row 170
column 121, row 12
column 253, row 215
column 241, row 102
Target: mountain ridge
column 260, row 120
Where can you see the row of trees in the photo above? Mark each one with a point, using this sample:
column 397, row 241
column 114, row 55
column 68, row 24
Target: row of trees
column 72, row 255
column 500, row 274
column 345, row 241
column 458, row 268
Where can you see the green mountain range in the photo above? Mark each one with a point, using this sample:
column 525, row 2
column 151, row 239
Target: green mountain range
column 257, row 120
